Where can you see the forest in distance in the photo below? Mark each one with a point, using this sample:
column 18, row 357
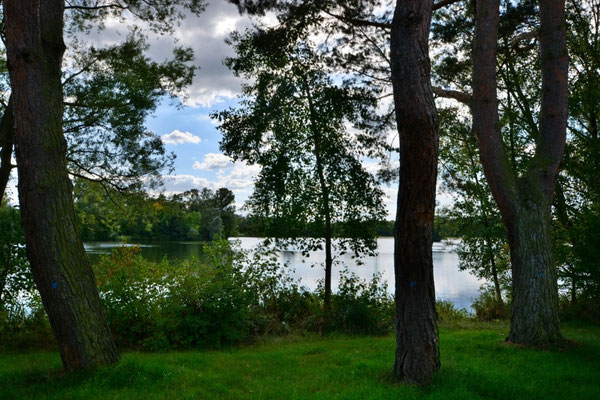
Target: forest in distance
column 317, row 125
column 189, row 216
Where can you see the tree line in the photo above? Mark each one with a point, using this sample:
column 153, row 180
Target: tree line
column 195, row 215
column 192, row 215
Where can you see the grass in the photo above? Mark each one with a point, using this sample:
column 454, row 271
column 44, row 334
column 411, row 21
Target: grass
column 476, row 364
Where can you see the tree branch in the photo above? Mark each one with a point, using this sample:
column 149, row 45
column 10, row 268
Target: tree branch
column 360, row 22
column 453, row 94
column 486, row 121
column 443, row 3
column 553, row 110
column 93, row 8
column 523, row 36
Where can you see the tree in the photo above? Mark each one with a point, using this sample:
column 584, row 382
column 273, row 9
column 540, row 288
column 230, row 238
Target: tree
column 60, row 267
column 62, row 272
column 368, row 47
column 525, row 201
column 108, row 95
column 109, row 92
column 292, row 122
column 520, row 147
column 417, row 342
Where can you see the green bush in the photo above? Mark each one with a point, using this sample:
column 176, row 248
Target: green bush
column 586, row 309
column 487, row 308
column 25, row 326
column 159, row 306
column 225, row 297
column 361, row 307
column 447, row 312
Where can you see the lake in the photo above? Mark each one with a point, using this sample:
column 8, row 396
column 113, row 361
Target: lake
column 451, row 284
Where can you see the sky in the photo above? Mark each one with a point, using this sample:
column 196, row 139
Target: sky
column 188, row 130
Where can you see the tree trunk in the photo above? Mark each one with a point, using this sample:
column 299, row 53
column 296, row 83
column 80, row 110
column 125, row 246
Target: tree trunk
column 525, row 202
column 324, row 194
column 497, row 288
column 7, row 137
column 60, row 267
column 328, row 231
column 417, row 352
column 534, row 311
column 328, row 262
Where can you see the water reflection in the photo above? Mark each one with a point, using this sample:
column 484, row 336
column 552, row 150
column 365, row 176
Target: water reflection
column 153, row 251
column 453, row 285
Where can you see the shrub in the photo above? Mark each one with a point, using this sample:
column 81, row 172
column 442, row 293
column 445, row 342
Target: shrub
column 361, row 307
column 586, row 309
column 447, row 312
column 487, row 308
column 225, row 297
column 25, row 325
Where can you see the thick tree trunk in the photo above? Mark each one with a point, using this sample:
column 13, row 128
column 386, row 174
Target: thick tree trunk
column 59, row 264
column 525, row 202
column 7, row 138
column 534, row 311
column 417, row 352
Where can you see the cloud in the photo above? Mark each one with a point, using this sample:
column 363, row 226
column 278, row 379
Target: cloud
column 205, row 34
column 181, row 183
column 178, row 137
column 213, row 162
column 238, row 177
column 241, row 177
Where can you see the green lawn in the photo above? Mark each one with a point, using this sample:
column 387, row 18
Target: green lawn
column 476, row 364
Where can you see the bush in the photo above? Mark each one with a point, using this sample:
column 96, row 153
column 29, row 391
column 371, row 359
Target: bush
column 447, row 312
column 586, row 309
column 24, row 326
column 361, row 307
column 226, row 297
column 160, row 306
column 487, row 308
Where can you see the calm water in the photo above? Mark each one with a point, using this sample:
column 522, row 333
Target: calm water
column 453, row 285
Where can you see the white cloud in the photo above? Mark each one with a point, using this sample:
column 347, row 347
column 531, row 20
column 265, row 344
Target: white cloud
column 205, row 34
column 213, row 162
column 181, row 183
column 178, row 137
column 240, row 178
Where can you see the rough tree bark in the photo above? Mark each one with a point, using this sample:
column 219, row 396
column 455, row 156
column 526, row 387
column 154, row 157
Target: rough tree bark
column 417, row 353
column 7, row 138
column 524, row 202
column 63, row 275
